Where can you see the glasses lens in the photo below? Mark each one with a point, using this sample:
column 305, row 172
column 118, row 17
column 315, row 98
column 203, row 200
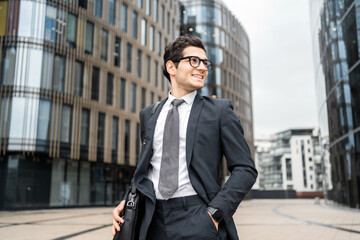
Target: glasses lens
column 194, row 61
column 207, row 64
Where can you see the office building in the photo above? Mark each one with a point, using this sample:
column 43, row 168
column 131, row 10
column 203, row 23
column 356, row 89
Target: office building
column 291, row 160
column 74, row 75
column 335, row 28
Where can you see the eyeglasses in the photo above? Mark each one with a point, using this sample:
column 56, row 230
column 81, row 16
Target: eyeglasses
column 195, row 62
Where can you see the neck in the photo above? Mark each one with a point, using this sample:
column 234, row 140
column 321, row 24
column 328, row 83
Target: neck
column 178, row 93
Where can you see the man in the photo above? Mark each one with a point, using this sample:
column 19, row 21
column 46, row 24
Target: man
column 184, row 141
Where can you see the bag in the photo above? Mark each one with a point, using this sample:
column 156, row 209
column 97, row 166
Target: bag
column 132, row 214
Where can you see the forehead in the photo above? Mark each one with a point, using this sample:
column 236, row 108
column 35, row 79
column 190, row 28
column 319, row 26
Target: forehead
column 194, row 51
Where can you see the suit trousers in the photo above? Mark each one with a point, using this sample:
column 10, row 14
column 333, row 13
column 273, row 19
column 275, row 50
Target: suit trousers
column 183, row 218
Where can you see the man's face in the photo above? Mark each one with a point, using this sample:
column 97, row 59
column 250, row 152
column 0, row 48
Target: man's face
column 189, row 78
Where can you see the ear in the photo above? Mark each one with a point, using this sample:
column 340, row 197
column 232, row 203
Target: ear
column 170, row 68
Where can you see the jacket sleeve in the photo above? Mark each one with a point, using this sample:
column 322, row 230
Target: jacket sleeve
column 239, row 161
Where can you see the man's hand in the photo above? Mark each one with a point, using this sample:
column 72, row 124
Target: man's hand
column 117, row 218
column 215, row 223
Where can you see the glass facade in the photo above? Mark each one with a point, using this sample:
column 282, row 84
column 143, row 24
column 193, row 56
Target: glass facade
column 335, row 32
column 227, row 45
column 68, row 97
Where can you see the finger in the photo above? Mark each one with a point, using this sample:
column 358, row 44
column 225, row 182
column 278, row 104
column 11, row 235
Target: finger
column 113, row 230
column 116, row 225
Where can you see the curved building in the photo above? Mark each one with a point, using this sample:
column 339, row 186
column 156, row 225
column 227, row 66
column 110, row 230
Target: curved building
column 227, row 45
column 335, row 32
column 74, row 75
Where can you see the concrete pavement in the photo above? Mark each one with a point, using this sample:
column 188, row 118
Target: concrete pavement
column 255, row 219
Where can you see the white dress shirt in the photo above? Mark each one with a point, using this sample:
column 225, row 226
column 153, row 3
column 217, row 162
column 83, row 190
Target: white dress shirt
column 184, row 186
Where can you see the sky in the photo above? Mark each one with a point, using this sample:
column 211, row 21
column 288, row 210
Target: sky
column 282, row 71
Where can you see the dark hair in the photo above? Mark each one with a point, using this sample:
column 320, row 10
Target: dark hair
column 174, row 50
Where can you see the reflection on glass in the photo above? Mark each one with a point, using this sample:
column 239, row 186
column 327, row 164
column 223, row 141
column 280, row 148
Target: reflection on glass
column 44, row 120
column 122, row 93
column 47, row 70
column 31, row 19
column 109, row 89
column 8, row 66
column 124, row 18
column 59, row 73
column 71, row 29
column 151, row 39
column 4, row 116
column 89, row 38
column 66, row 114
column 85, row 125
column 104, row 44
column 135, row 24
column 143, row 31
column 129, row 57
column 117, row 51
column 50, row 23
column 95, row 84
column 78, row 79
column 133, row 97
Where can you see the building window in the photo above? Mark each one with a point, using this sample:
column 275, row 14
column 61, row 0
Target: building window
column 59, row 73
column 95, row 84
column 78, row 80
column 127, row 142
column 310, row 159
column 159, row 43
column 98, row 8
column 117, row 51
column 156, row 6
column 139, row 60
column 156, row 73
column 114, row 138
column 83, row 3
column 65, row 134
column 163, row 16
column 148, row 7
column 140, row 4
column 71, row 30
column 148, row 64
column 122, row 92
column 109, row 89
column 151, row 39
column 129, row 57
column 8, row 66
column 104, row 44
column 143, row 97
column 152, row 97
column 112, row 12
column 124, row 18
column 89, row 38
column 50, row 23
column 288, row 169
column 168, row 23
column 85, row 126
column 101, row 137
column 143, row 31
column 135, row 25
column 43, row 125
column 133, row 97
column 138, row 142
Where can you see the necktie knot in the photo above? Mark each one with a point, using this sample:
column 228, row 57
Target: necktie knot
column 177, row 102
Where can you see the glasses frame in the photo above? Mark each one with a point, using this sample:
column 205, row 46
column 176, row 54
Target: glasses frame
column 208, row 67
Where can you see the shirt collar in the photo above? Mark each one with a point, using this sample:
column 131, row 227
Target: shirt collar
column 188, row 98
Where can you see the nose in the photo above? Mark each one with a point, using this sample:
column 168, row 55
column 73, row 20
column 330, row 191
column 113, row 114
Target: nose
column 202, row 66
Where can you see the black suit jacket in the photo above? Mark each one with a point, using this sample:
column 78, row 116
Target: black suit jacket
column 213, row 131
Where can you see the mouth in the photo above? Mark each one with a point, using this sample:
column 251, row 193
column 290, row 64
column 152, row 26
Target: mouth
column 199, row 76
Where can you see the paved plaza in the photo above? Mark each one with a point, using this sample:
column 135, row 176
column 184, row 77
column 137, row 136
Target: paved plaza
column 255, row 219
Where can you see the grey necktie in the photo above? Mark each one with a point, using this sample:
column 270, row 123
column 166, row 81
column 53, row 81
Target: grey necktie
column 169, row 169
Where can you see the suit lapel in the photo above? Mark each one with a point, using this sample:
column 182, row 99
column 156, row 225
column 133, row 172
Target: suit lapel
column 192, row 124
